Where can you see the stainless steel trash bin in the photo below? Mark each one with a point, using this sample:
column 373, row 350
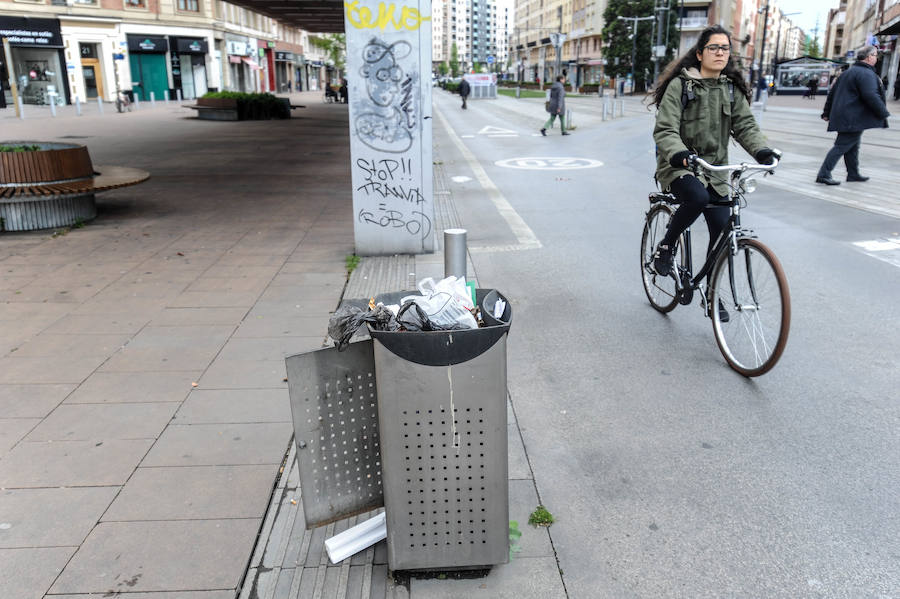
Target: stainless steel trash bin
column 443, row 432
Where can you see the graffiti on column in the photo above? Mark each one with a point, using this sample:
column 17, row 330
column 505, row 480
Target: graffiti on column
column 387, row 123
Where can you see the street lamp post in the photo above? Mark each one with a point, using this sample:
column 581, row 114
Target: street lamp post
column 634, row 20
column 778, row 38
column 761, row 73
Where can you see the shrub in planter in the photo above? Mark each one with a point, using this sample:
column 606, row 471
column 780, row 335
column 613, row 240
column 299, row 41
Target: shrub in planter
column 251, row 106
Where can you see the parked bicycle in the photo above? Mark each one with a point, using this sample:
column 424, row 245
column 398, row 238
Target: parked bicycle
column 747, row 296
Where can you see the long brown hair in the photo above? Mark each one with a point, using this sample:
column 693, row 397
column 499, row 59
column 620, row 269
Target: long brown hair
column 690, row 60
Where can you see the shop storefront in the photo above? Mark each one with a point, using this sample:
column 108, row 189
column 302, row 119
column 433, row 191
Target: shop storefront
column 240, row 64
column 188, row 58
column 266, row 53
column 38, row 62
column 284, row 69
column 147, row 58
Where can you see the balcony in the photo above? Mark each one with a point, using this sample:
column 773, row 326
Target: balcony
column 689, row 23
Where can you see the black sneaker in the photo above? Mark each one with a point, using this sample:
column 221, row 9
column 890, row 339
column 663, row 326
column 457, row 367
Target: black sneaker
column 723, row 313
column 664, row 260
column 544, row 132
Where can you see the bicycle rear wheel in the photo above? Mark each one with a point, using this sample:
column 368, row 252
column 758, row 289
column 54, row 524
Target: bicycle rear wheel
column 753, row 290
column 661, row 291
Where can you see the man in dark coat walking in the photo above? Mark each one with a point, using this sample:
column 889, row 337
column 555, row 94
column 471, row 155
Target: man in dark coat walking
column 464, row 90
column 557, row 106
column 856, row 102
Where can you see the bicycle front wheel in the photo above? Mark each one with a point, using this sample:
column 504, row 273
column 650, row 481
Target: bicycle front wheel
column 750, row 305
column 661, row 291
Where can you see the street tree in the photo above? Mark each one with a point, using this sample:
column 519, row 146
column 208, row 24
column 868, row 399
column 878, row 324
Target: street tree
column 454, row 60
column 443, row 69
column 812, row 47
column 335, row 47
column 617, row 37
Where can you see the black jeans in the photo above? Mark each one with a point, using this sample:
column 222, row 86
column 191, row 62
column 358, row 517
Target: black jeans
column 696, row 200
column 846, row 145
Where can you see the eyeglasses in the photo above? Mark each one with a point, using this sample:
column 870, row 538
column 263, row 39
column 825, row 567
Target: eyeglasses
column 715, row 49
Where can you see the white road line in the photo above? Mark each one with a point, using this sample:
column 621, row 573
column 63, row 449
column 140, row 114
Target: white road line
column 884, row 249
column 468, row 136
column 524, row 235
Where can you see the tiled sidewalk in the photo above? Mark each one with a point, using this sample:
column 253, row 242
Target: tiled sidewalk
column 143, row 410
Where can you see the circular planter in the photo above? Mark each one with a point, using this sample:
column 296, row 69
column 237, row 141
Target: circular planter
column 52, row 163
column 46, row 188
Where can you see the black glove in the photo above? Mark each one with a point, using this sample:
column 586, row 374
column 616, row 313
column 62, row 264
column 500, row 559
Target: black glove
column 766, row 155
column 677, row 159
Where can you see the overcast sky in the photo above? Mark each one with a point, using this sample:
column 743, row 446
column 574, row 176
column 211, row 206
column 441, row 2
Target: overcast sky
column 810, row 9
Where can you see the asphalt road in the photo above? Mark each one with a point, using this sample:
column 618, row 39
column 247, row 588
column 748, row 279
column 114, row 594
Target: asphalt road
column 671, row 475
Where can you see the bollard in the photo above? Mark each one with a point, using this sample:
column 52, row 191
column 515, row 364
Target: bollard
column 21, row 109
column 166, row 96
column 605, row 109
column 178, row 94
column 622, row 107
column 77, row 105
column 152, row 99
column 455, row 253
column 137, row 102
column 100, row 104
column 52, row 105
column 518, row 92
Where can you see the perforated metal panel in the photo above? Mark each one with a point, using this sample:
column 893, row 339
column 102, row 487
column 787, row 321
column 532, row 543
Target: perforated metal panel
column 443, row 434
column 334, row 405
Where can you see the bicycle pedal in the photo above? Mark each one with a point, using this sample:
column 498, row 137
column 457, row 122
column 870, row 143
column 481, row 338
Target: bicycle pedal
column 687, row 292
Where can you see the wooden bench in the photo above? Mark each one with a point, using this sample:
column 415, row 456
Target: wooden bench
column 55, row 185
column 214, row 113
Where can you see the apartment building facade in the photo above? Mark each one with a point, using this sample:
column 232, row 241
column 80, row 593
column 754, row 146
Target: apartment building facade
column 479, row 28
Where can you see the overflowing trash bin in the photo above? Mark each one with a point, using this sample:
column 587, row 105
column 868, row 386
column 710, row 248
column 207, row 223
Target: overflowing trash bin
column 415, row 420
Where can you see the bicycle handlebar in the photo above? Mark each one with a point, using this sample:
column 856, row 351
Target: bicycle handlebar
column 744, row 166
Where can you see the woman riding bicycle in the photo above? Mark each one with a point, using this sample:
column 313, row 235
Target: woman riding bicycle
column 702, row 100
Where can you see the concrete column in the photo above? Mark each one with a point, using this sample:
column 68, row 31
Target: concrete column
column 390, row 125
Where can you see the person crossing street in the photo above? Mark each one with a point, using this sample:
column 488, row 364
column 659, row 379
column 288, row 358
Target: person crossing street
column 557, row 106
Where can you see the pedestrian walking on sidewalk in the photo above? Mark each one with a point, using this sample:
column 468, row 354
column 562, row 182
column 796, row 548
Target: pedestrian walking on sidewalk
column 897, row 87
column 464, row 90
column 702, row 100
column 856, row 102
column 812, row 88
column 557, row 106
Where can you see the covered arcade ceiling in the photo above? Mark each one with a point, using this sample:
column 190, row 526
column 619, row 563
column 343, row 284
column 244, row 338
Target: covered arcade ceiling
column 315, row 16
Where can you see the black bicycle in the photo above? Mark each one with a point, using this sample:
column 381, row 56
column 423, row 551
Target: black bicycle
column 747, row 297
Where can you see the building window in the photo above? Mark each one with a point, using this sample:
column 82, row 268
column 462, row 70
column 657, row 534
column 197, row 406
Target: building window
column 86, row 2
column 189, row 5
column 135, row 4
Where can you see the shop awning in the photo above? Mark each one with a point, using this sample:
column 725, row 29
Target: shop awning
column 251, row 63
column 892, row 28
column 234, row 59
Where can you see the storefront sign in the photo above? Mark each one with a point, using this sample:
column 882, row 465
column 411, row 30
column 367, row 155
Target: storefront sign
column 31, row 33
column 284, row 56
column 147, row 43
column 236, row 48
column 188, row 45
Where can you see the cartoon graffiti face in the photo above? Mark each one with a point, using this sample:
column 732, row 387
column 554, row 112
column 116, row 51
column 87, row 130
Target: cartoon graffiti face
column 381, row 71
column 383, row 131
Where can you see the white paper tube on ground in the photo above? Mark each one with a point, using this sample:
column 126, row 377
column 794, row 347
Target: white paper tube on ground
column 356, row 539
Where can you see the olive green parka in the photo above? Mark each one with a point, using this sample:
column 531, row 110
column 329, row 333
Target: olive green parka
column 703, row 127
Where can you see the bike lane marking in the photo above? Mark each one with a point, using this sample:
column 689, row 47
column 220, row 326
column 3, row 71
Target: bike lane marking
column 526, row 238
column 549, row 163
